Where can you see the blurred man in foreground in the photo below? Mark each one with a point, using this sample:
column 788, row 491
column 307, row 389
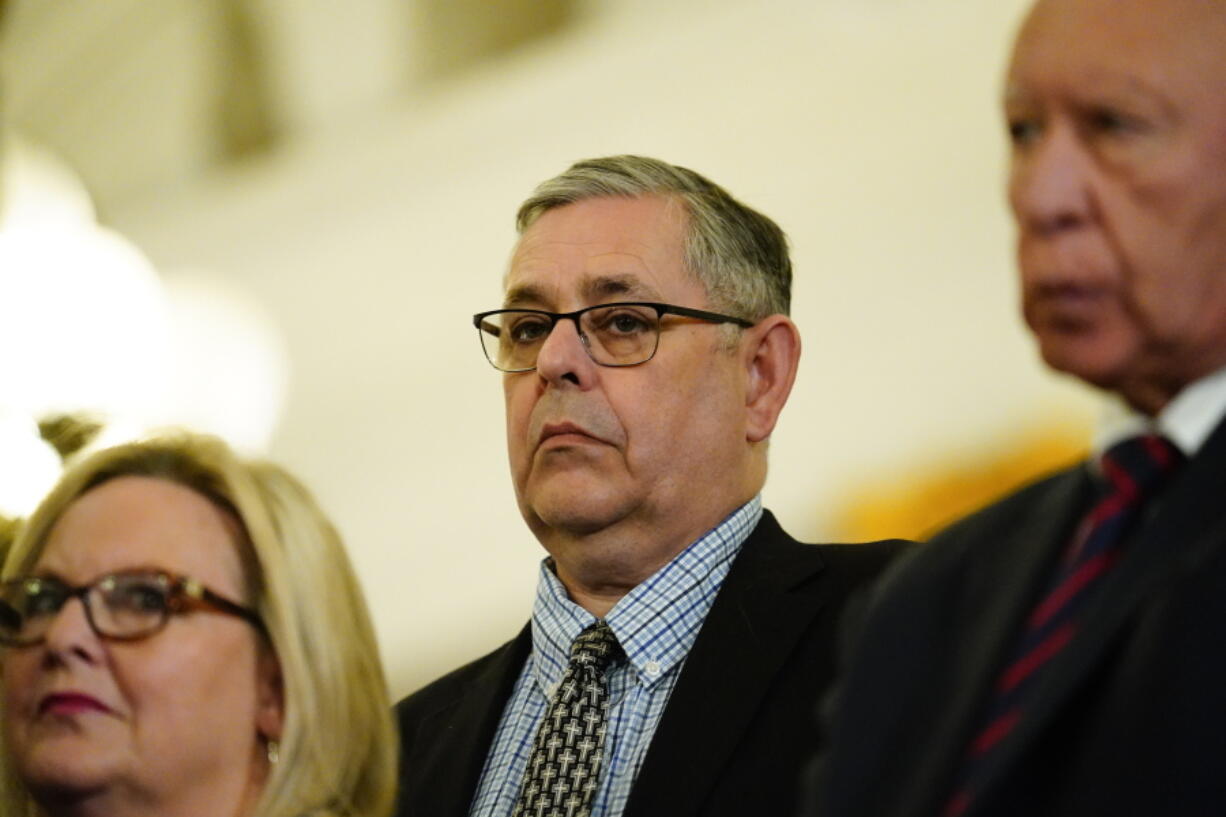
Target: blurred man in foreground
column 679, row 635
column 1061, row 652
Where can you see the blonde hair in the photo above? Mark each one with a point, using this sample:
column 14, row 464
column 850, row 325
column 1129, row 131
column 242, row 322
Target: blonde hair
column 338, row 744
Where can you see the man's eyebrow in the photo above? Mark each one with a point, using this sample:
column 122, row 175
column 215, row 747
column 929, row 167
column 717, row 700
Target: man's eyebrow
column 595, row 289
column 1095, row 89
column 522, row 295
column 605, row 286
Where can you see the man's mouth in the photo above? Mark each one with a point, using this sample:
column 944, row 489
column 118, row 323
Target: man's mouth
column 565, row 432
column 1067, row 306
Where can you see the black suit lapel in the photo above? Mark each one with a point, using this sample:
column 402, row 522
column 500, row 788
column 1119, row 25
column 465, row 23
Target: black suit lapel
column 1190, row 519
column 997, row 593
column 1192, row 513
column 750, row 630
column 440, row 778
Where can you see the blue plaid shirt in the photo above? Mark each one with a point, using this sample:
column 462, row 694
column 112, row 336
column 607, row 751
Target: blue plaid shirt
column 656, row 624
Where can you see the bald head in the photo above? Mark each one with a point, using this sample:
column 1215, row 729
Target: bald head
column 1187, row 37
column 1118, row 186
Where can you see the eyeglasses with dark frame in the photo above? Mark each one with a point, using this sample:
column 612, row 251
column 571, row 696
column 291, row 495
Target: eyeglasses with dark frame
column 614, row 334
column 122, row 606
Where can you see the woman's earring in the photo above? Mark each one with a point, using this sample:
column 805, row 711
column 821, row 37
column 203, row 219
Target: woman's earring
column 274, row 752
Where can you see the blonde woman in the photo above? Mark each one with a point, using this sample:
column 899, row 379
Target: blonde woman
column 183, row 635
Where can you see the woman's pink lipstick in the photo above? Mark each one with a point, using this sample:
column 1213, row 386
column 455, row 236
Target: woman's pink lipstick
column 70, row 703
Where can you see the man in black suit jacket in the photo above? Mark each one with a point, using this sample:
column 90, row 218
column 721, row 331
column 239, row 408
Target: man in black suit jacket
column 647, row 354
column 1118, row 187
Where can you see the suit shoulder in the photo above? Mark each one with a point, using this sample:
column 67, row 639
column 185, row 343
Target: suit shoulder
column 962, row 544
column 443, row 692
column 1002, row 514
column 867, row 553
column 860, row 562
column 775, row 546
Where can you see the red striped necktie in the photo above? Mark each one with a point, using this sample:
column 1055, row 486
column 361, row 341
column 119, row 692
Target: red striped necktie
column 1134, row 471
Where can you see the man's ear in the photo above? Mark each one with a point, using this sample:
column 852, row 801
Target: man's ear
column 772, row 355
column 270, row 697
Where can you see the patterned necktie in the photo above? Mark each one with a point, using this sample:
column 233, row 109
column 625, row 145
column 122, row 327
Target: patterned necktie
column 563, row 771
column 1134, row 471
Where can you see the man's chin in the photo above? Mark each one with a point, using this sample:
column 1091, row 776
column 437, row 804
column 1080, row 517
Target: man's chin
column 1098, row 358
column 1096, row 355
column 575, row 511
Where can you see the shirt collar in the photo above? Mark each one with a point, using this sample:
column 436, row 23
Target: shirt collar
column 1187, row 420
column 657, row 622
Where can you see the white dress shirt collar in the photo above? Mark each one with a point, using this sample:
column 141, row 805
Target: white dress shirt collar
column 1186, row 421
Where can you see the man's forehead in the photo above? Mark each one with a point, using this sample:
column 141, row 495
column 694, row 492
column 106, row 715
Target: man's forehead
column 597, row 249
column 552, row 290
column 1145, row 35
column 1162, row 58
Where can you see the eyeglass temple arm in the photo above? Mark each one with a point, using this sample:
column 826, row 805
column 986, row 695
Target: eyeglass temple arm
column 486, row 326
column 705, row 315
column 202, row 595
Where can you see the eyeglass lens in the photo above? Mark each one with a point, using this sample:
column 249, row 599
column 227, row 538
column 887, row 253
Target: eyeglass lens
column 614, row 335
column 119, row 606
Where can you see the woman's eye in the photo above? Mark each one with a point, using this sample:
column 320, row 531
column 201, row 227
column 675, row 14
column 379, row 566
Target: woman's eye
column 138, row 599
column 43, row 604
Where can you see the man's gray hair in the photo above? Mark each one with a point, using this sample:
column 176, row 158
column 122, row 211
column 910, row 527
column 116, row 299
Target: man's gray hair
column 739, row 255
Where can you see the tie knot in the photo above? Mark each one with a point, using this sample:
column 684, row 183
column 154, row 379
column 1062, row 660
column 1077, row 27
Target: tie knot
column 1138, row 466
column 596, row 647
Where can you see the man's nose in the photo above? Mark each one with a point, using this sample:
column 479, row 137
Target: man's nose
column 563, row 356
column 1051, row 183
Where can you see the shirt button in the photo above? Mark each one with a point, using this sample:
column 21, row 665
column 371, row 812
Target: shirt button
column 652, row 668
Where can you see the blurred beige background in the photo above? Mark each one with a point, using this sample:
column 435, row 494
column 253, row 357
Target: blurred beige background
column 354, row 168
